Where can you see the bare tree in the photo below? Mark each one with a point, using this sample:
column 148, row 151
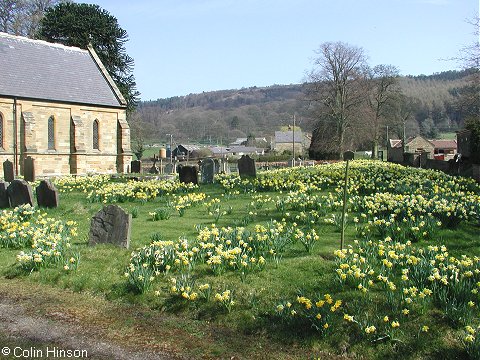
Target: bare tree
column 335, row 90
column 22, row 17
column 383, row 88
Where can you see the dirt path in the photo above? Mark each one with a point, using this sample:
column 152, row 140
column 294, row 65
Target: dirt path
column 32, row 337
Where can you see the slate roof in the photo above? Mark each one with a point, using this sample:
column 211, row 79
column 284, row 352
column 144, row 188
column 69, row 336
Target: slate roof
column 444, row 144
column 437, row 144
column 40, row 70
column 287, row 136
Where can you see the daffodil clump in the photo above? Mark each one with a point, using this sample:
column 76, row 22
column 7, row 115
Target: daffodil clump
column 411, row 280
column 69, row 183
column 48, row 239
column 16, row 230
column 158, row 258
column 322, row 313
column 471, row 341
column 131, row 190
column 183, row 202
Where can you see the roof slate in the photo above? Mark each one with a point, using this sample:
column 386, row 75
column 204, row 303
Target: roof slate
column 40, row 70
column 287, row 136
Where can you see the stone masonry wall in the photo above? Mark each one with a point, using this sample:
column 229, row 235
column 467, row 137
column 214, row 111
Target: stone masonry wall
column 73, row 141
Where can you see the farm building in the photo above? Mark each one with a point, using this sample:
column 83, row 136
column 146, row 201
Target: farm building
column 60, row 107
column 284, row 141
column 434, row 149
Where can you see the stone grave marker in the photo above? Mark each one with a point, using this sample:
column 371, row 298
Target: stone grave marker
column 246, row 167
column 47, row 194
column 207, row 169
column 188, row 174
column 154, row 169
column 136, row 166
column 218, row 166
column 168, row 168
column 8, row 174
column 4, row 201
column 29, row 169
column 20, row 193
column 111, row 225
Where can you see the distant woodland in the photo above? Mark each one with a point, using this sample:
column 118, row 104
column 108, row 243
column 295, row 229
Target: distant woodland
column 219, row 117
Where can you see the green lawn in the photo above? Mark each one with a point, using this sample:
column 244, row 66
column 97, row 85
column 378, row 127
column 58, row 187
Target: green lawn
column 252, row 327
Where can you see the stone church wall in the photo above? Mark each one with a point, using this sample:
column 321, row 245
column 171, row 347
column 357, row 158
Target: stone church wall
column 71, row 149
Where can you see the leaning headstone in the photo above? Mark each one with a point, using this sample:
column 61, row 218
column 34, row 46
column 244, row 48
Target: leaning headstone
column 136, row 166
column 8, row 174
column 188, row 174
column 20, row 193
column 111, row 225
column 47, row 194
column 29, row 169
column 4, row 202
column 246, row 167
column 207, row 169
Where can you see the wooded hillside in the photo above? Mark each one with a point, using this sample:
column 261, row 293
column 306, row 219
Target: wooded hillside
column 220, row 116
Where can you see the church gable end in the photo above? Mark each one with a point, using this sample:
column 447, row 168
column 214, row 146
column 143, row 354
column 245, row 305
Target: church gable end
column 60, row 107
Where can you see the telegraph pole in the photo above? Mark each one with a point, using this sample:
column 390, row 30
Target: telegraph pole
column 293, row 142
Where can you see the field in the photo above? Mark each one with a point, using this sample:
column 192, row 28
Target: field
column 252, row 268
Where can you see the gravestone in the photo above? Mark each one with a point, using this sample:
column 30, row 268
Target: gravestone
column 29, row 169
column 20, row 193
column 111, row 225
column 168, row 168
column 47, row 194
column 4, row 202
column 207, row 169
column 188, row 174
column 348, row 155
column 246, row 167
column 218, row 166
column 136, row 166
column 8, row 174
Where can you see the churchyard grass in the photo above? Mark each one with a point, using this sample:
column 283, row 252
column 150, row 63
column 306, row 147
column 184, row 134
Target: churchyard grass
column 272, row 276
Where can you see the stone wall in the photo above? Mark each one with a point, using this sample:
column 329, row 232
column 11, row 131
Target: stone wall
column 73, row 151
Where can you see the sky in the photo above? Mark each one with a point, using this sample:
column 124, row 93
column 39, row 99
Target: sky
column 190, row 46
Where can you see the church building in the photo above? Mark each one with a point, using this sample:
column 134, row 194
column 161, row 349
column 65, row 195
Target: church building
column 59, row 107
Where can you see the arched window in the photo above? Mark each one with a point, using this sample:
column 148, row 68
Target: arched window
column 51, row 133
column 1, row 130
column 95, row 135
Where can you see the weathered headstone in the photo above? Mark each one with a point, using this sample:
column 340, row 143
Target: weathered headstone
column 20, row 193
column 348, row 155
column 47, row 194
column 4, row 201
column 168, row 168
column 218, row 166
column 246, row 167
column 111, row 225
column 207, row 169
column 188, row 174
column 8, row 174
column 136, row 166
column 29, row 169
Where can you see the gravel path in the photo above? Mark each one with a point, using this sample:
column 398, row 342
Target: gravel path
column 18, row 329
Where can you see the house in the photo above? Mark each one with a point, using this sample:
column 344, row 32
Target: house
column 444, row 149
column 284, row 141
column 246, row 150
column 185, row 151
column 60, row 107
column 434, row 149
column 259, row 142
